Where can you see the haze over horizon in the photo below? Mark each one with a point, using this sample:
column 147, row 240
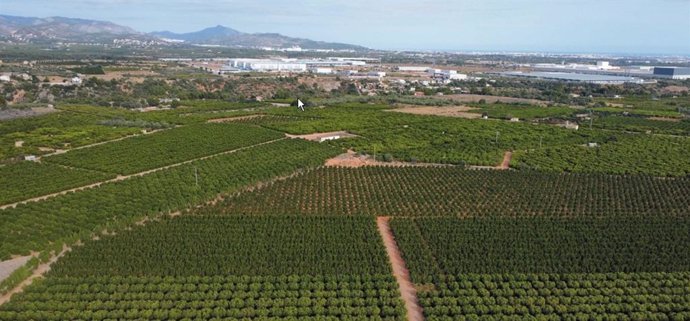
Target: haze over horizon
column 587, row 26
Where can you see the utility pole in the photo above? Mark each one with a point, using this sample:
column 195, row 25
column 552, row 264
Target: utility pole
column 496, row 138
column 196, row 176
column 540, row 139
column 591, row 119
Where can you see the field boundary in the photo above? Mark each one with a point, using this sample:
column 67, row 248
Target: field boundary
column 124, row 177
column 39, row 271
column 402, row 275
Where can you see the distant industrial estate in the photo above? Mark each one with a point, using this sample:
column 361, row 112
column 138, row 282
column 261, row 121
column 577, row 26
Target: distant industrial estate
column 361, row 67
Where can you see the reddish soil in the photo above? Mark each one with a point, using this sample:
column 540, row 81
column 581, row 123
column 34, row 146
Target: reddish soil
column 674, row 120
column 402, row 275
column 318, row 136
column 352, row 160
column 466, row 98
column 447, row 111
column 505, row 164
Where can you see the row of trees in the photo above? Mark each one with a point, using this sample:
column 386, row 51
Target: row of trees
column 450, row 191
column 632, row 296
column 232, row 245
column 172, row 146
column 34, row 225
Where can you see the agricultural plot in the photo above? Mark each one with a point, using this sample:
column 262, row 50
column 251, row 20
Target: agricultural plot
column 642, row 124
column 522, row 111
column 434, row 139
column 653, row 155
column 33, row 226
column 449, row 191
column 550, row 269
column 24, row 180
column 140, row 153
column 229, row 268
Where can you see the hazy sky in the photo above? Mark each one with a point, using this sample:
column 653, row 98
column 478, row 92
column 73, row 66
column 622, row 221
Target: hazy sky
column 635, row 26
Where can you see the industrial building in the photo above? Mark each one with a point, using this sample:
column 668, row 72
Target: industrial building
column 289, row 65
column 681, row 73
column 576, row 77
column 413, row 68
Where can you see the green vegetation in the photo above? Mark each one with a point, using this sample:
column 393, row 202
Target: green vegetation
column 18, row 275
column 644, row 125
column 89, row 70
column 543, row 245
column 230, row 268
column 211, row 245
column 522, row 111
column 33, row 226
column 600, row 296
column 172, row 146
column 654, row 155
column 219, row 297
column 451, row 191
column 25, row 180
column 549, row 269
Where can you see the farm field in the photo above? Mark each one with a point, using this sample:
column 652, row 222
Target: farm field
column 545, row 268
column 452, row 191
column 448, row 140
column 291, row 269
column 33, row 226
column 24, row 180
column 172, row 146
column 227, row 212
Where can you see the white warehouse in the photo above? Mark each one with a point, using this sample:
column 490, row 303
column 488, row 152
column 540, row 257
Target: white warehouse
column 268, row 65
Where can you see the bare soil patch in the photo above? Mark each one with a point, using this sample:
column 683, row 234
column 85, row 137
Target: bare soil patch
column 468, row 98
column 447, row 111
column 22, row 113
column 674, row 120
column 38, row 272
column 317, row 137
column 505, row 164
column 353, row 160
column 9, row 266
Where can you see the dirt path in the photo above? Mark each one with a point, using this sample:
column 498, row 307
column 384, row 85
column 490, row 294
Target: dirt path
column 353, row 160
column 402, row 275
column 121, row 177
column 62, row 151
column 38, row 272
column 505, row 164
column 9, row 266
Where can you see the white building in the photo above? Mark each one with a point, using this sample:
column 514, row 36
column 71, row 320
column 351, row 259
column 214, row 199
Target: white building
column 267, row 65
column 322, row 70
column 413, row 68
column 76, row 81
column 5, row 78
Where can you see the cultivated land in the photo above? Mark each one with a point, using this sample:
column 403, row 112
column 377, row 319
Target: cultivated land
column 235, row 211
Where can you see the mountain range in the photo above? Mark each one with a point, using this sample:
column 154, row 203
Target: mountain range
column 61, row 29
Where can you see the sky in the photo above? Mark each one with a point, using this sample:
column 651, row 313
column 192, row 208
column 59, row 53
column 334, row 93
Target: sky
column 577, row 26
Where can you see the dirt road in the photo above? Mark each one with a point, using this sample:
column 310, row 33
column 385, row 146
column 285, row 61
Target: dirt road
column 121, row 177
column 38, row 272
column 402, row 275
column 505, row 164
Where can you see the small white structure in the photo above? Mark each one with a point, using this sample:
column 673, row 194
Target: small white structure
column 515, row 119
column 30, row 158
column 327, row 138
column 5, row 78
column 413, row 68
column 76, row 80
column 379, row 74
column 592, row 145
column 322, row 70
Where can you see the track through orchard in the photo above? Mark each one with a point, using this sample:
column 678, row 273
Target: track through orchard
column 402, row 275
column 124, row 177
